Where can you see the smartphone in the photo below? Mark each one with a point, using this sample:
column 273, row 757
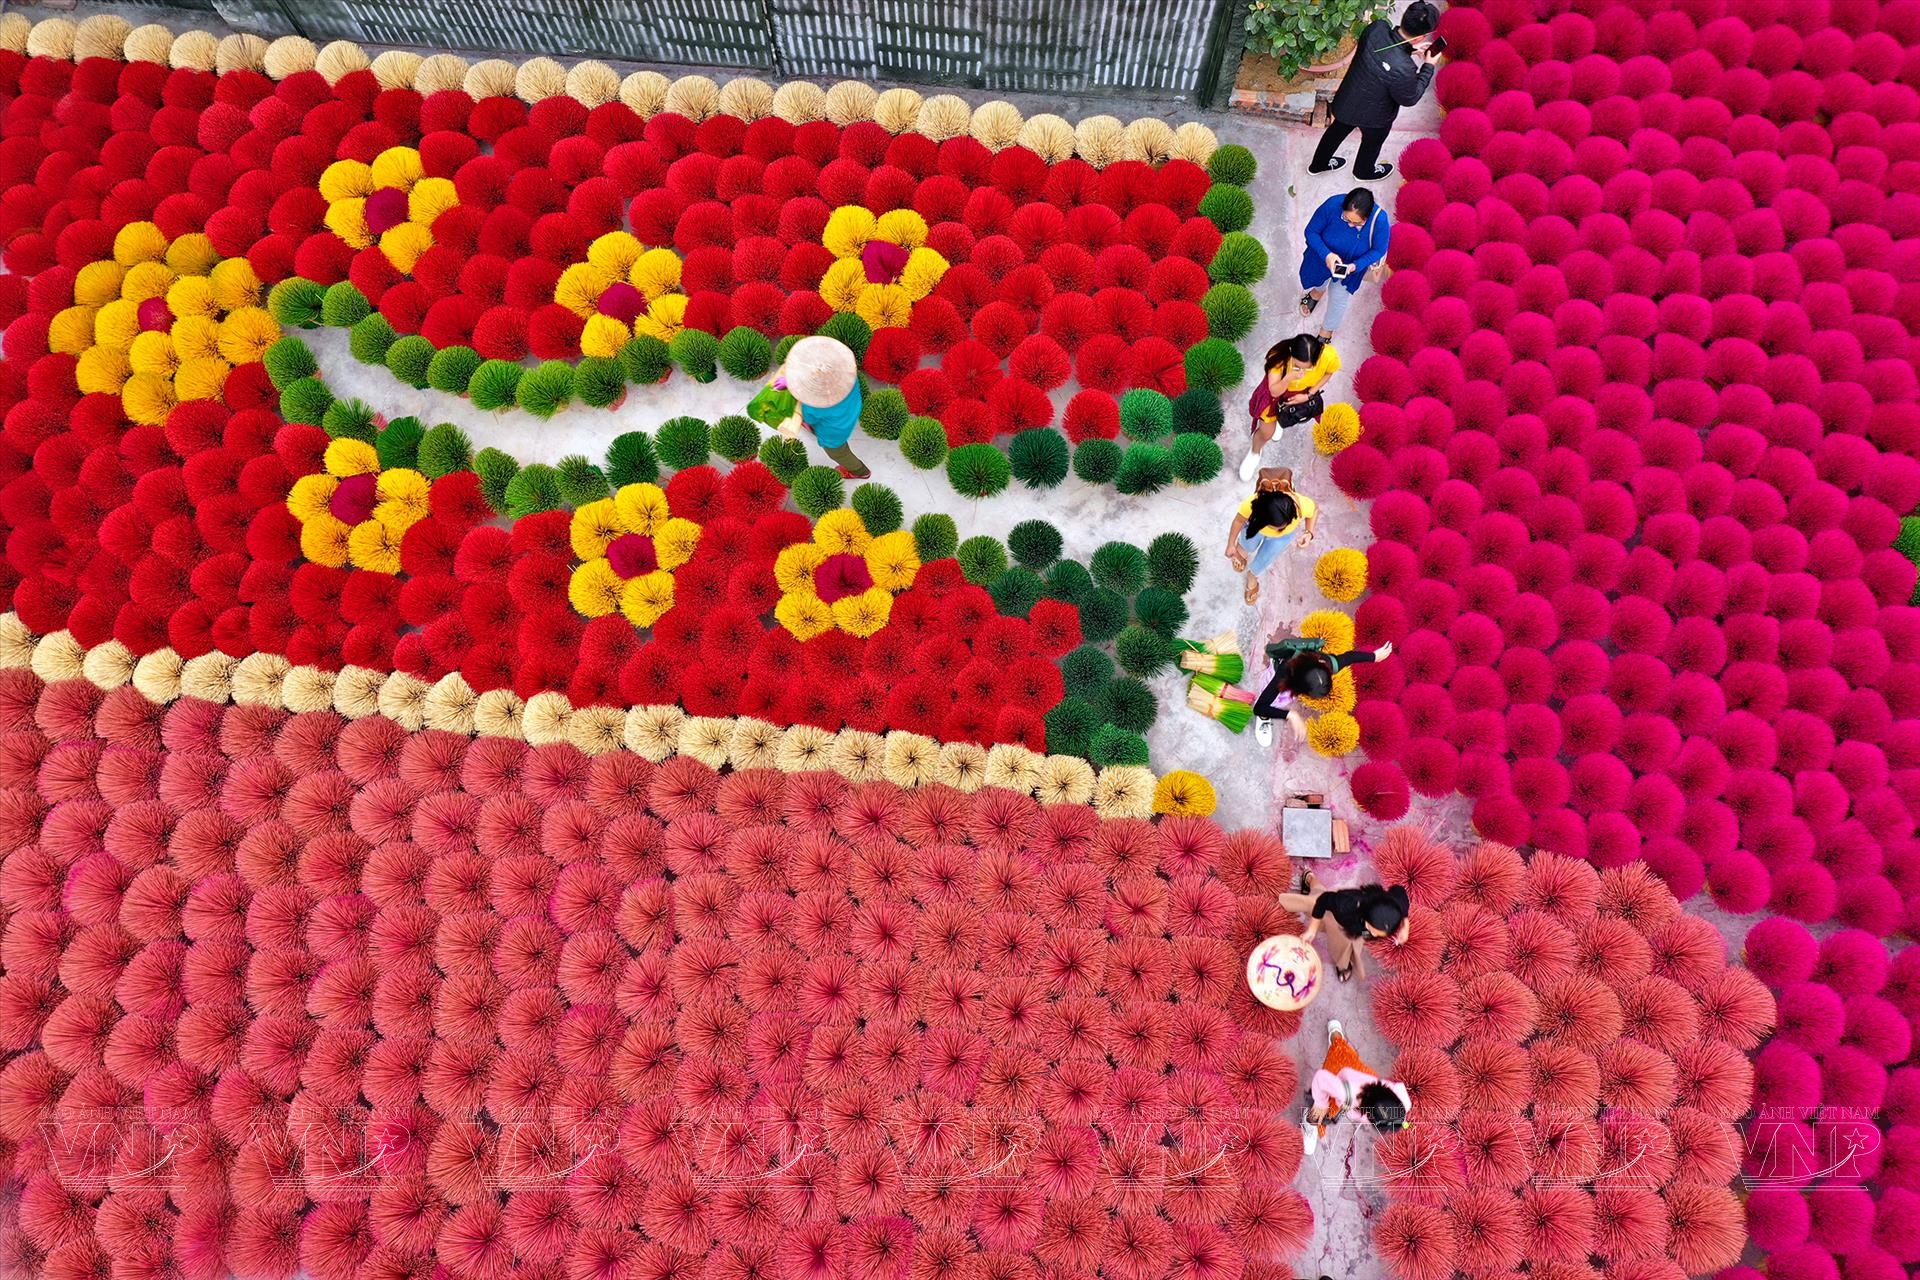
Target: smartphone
column 1342, row 271
column 1437, row 46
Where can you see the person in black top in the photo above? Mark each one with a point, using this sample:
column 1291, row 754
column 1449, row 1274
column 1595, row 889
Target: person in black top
column 1302, row 673
column 1391, row 69
column 1364, row 914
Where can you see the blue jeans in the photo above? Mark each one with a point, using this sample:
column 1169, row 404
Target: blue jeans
column 1264, row 548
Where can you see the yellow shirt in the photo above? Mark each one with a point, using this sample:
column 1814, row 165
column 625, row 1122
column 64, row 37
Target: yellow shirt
column 1325, row 367
column 1301, row 501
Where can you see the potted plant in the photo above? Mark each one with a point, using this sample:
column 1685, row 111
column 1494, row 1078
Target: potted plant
column 1308, row 35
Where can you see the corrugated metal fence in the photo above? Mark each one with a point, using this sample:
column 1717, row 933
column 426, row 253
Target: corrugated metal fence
column 1169, row 48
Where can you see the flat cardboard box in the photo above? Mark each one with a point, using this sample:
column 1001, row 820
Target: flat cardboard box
column 1307, row 833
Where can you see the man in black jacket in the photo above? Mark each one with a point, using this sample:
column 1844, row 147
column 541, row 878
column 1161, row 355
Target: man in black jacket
column 1390, row 70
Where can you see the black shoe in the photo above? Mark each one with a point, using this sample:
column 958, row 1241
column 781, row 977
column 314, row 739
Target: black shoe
column 1338, row 162
column 1376, row 175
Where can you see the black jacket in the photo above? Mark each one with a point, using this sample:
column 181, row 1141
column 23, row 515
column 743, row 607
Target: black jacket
column 1378, row 83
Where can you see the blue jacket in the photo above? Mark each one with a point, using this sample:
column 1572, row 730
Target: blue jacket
column 1328, row 232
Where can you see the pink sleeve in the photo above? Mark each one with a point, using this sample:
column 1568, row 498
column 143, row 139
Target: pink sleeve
column 1326, row 1088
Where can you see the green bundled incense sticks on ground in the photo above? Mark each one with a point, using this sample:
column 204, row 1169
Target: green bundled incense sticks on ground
column 1219, row 656
column 1218, row 700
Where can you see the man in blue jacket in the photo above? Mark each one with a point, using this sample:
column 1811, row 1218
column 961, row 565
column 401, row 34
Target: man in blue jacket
column 1391, row 69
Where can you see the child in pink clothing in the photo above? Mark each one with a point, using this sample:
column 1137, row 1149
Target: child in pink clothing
column 1344, row 1081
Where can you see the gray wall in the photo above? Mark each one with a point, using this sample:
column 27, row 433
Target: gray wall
column 1157, row 48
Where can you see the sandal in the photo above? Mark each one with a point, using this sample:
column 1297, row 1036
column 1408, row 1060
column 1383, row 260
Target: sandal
column 1308, row 304
column 1252, row 593
column 1345, row 975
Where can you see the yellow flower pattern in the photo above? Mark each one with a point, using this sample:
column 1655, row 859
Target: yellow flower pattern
column 391, row 202
column 353, row 513
column 845, row 578
column 161, row 322
column 623, row 289
column 882, row 265
column 629, row 545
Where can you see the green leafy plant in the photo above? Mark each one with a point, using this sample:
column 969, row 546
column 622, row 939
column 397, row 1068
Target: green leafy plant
column 978, row 470
column 1232, row 311
column 295, row 303
column 745, row 353
column 444, row 449
column 1298, row 34
column 935, row 536
column 496, row 471
column 1907, row 541
column 598, row 381
column 735, row 437
column 349, row 420
column 305, row 400
column 1142, row 652
column 289, row 360
column 398, row 444
column 1070, row 726
column 818, row 490
column 1145, row 414
column 1034, row 543
column 1240, row 259
column 535, row 488
column 343, row 306
column 1196, row 458
column 1016, row 591
column 785, row 458
column 1172, row 560
column 494, row 385
column 982, row 559
column 884, row 414
column 923, row 443
column 645, row 360
column 878, row 507
column 1232, row 163
column 1102, row 613
column 369, row 340
column 1160, row 610
column 546, row 389
column 1146, row 468
column 409, row 357
column 451, row 369
column 1120, row 566
column 1198, row 411
column 850, row 329
column 1113, row 745
column 580, row 481
column 1069, row 580
column 1227, row 206
column 683, row 442
column 1086, row 671
column 696, row 353
column 631, row 460
column 1128, row 704
column 1097, row 461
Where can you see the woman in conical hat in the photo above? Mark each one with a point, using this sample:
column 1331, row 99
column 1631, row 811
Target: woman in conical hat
column 824, row 377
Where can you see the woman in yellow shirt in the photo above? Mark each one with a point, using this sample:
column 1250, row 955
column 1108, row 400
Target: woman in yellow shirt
column 1297, row 370
column 1267, row 523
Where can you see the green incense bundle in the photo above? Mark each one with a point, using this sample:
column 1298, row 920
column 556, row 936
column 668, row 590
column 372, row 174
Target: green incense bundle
column 1219, row 656
column 1231, row 712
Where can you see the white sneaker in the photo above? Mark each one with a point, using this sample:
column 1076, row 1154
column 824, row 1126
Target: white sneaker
column 1263, row 731
column 1249, row 465
column 1334, row 1029
column 1310, row 1136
